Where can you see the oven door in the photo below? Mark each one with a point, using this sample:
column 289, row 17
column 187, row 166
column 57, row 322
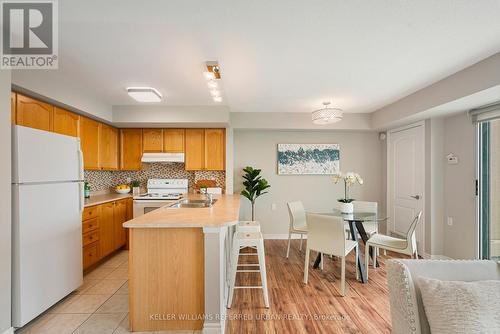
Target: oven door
column 141, row 207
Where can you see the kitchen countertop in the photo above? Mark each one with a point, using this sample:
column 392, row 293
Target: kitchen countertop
column 224, row 212
column 104, row 198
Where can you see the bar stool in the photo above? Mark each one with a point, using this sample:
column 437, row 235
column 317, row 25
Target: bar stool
column 248, row 226
column 253, row 240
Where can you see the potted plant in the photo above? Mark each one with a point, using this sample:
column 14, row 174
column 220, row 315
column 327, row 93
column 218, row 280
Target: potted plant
column 254, row 186
column 136, row 190
column 350, row 178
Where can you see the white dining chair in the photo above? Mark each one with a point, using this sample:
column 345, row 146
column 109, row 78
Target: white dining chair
column 326, row 235
column 370, row 226
column 407, row 246
column 298, row 223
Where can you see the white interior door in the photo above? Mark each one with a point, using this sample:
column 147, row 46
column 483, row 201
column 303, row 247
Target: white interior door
column 405, row 177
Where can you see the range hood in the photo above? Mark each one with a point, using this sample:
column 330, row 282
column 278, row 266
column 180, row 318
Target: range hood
column 162, row 157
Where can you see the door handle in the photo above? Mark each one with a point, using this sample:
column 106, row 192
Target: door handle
column 417, row 197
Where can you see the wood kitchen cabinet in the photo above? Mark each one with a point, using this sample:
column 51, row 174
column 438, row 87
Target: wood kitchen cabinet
column 215, row 146
column 152, row 140
column 33, row 113
column 108, row 147
column 107, row 228
column 194, row 149
column 120, row 217
column 205, row 149
column 66, row 123
column 13, row 107
column 173, row 140
column 89, row 141
column 130, row 149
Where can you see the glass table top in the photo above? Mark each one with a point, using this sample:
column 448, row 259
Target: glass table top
column 355, row 216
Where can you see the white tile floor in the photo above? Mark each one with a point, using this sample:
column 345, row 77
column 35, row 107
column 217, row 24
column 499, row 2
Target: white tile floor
column 99, row 306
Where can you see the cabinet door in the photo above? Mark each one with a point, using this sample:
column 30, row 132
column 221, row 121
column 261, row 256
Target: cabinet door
column 130, row 149
column 107, row 228
column 120, row 216
column 65, row 122
column 215, row 144
column 173, row 140
column 194, row 149
column 13, row 107
column 33, row 113
column 89, row 141
column 108, row 147
column 152, row 140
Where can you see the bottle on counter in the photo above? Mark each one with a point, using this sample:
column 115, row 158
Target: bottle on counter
column 86, row 190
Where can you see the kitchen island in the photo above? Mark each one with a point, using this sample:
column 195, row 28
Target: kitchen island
column 178, row 258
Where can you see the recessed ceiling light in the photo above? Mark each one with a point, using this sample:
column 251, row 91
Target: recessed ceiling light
column 217, row 99
column 144, row 94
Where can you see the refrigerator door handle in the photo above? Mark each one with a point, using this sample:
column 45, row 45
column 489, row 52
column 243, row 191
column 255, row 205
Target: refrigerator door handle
column 81, row 197
column 80, row 165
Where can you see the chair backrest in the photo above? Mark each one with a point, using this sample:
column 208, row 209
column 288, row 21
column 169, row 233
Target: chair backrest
column 326, row 234
column 297, row 214
column 411, row 238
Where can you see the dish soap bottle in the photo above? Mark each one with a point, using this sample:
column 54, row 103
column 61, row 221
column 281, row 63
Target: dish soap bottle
column 86, row 190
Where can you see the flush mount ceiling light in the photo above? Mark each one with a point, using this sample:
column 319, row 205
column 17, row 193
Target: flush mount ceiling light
column 327, row 115
column 144, row 94
column 213, row 76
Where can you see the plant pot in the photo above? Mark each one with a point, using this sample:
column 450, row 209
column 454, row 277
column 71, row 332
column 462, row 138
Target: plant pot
column 136, row 191
column 346, row 208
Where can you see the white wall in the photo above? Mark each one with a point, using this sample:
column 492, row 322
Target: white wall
column 361, row 151
column 460, row 239
column 5, row 202
column 67, row 91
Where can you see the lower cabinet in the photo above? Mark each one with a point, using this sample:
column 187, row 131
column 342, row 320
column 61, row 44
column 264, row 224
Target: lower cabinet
column 102, row 230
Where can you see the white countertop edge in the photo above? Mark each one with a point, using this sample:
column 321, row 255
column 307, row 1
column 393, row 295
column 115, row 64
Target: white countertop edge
column 178, row 225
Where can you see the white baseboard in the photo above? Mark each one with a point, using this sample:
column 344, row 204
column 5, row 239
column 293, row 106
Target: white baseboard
column 282, row 236
column 9, row 331
column 213, row 327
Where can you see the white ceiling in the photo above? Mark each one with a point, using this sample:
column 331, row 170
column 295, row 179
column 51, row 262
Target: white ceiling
column 276, row 56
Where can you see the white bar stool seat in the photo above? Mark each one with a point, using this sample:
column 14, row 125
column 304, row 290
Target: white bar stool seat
column 253, row 240
column 248, row 226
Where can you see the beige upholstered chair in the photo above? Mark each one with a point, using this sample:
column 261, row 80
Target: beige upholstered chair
column 326, row 235
column 407, row 310
column 298, row 224
column 406, row 246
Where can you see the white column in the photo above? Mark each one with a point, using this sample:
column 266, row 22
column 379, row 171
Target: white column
column 216, row 286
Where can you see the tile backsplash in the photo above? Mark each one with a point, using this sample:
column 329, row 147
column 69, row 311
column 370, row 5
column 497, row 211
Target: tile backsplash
column 105, row 180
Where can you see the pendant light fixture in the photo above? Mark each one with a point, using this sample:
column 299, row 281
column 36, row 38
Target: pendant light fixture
column 327, row 115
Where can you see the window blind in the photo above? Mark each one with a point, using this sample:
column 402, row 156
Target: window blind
column 485, row 113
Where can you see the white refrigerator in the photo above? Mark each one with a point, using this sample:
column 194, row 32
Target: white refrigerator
column 47, row 199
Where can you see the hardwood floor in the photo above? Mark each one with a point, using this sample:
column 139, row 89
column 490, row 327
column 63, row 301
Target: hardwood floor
column 316, row 307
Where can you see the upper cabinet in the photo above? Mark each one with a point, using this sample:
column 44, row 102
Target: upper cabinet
column 194, row 149
column 152, row 140
column 89, row 141
column 65, row 122
column 215, row 143
column 108, row 147
column 33, row 113
column 130, row 149
column 173, row 140
column 205, row 149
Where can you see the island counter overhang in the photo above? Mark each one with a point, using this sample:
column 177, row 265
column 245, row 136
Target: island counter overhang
column 178, row 260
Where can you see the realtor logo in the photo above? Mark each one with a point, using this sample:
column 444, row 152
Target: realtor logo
column 29, row 34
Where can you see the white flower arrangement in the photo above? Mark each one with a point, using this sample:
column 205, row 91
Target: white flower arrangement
column 350, row 179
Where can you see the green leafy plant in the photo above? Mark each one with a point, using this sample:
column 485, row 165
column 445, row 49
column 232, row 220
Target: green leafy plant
column 135, row 184
column 255, row 186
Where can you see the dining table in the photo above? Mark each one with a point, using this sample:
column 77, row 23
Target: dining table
column 357, row 231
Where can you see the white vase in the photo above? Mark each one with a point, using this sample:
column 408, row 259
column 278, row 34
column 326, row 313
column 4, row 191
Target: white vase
column 346, row 208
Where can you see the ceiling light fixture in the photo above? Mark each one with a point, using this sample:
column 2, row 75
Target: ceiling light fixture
column 144, row 94
column 212, row 74
column 327, row 115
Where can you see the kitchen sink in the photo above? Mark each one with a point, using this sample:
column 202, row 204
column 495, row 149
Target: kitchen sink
column 194, row 203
